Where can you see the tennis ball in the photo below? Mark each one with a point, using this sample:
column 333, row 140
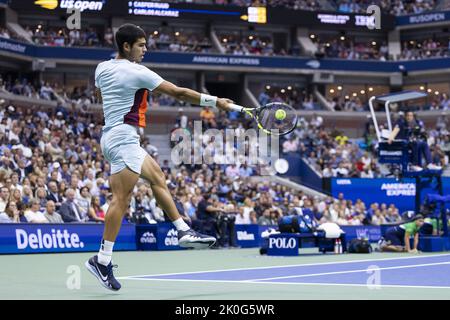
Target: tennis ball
column 280, row 114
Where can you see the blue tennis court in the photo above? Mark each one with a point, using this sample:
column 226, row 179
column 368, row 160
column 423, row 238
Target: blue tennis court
column 431, row 271
column 231, row 274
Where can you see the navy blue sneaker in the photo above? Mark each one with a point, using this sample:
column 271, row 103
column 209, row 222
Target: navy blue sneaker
column 195, row 240
column 104, row 274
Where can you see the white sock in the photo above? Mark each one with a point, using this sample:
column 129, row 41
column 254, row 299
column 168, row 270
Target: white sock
column 105, row 252
column 180, row 225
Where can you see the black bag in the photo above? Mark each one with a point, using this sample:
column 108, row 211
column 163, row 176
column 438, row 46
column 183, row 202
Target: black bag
column 359, row 246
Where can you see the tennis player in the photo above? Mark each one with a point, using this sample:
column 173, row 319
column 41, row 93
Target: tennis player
column 123, row 85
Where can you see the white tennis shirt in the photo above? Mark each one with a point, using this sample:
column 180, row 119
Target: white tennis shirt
column 125, row 86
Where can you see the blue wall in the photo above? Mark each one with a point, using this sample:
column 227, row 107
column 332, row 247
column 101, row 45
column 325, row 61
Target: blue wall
column 300, row 172
column 401, row 193
column 223, row 60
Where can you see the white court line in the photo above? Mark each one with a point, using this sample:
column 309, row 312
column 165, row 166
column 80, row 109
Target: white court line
column 348, row 271
column 285, row 266
column 291, row 283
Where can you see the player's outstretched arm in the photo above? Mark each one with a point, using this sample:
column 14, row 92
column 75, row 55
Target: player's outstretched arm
column 192, row 96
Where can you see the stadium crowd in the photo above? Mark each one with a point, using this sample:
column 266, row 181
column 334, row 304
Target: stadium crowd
column 351, row 50
column 290, row 4
column 344, row 47
column 79, row 95
column 248, row 45
column 52, row 171
column 4, row 33
column 296, row 97
column 176, row 41
column 332, row 154
column 61, row 37
column 430, row 48
column 394, row 7
column 170, row 39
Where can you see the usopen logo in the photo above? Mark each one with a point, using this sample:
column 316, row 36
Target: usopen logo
column 69, row 4
column 47, row 4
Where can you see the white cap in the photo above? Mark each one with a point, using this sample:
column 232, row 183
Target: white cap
column 56, row 165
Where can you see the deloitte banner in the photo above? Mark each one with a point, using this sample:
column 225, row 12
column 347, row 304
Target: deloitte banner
column 49, row 238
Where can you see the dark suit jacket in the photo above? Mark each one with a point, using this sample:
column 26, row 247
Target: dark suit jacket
column 67, row 213
column 27, row 171
column 55, row 199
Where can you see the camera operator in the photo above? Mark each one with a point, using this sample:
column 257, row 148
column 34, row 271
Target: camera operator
column 176, row 195
column 207, row 215
column 411, row 129
column 225, row 225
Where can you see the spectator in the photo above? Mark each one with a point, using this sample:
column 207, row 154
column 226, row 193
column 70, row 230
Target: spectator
column 378, row 218
column 53, row 194
column 50, row 213
column 70, row 212
column 14, row 213
column 109, row 38
column 290, row 145
column 243, row 215
column 208, row 118
column 207, row 214
column 4, row 218
column 265, row 219
column 16, row 197
column 33, row 215
column 4, row 197
column 84, row 201
column 96, row 213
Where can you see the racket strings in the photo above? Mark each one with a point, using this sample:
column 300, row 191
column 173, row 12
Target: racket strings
column 267, row 118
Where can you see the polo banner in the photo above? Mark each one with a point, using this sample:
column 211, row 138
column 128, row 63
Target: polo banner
column 283, row 244
column 49, row 238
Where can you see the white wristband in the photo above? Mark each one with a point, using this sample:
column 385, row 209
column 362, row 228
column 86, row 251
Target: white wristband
column 208, row 101
column 236, row 107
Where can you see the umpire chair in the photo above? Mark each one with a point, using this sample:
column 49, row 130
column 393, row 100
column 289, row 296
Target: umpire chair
column 399, row 153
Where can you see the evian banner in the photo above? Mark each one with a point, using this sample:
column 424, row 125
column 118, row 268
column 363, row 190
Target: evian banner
column 49, row 238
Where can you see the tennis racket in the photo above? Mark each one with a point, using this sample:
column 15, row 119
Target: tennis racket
column 275, row 118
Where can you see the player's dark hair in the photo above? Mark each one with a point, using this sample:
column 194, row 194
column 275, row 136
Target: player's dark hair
column 129, row 33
